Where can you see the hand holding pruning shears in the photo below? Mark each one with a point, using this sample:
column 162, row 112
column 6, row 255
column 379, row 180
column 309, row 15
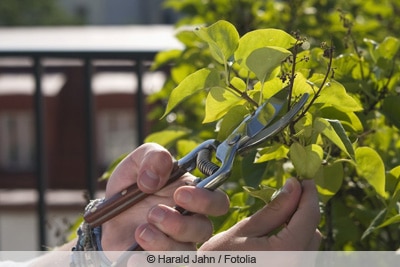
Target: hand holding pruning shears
column 166, row 227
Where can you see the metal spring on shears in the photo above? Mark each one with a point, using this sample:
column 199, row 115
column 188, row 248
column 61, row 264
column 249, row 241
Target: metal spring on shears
column 204, row 163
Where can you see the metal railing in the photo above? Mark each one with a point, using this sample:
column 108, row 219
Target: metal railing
column 140, row 59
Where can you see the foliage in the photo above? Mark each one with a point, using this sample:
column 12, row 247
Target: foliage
column 347, row 137
column 375, row 19
column 34, row 13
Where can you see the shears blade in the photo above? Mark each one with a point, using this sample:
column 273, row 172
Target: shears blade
column 262, row 134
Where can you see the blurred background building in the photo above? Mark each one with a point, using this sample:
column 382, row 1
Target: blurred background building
column 55, row 144
column 84, row 12
column 118, row 12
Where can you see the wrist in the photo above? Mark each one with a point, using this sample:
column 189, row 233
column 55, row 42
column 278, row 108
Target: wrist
column 88, row 249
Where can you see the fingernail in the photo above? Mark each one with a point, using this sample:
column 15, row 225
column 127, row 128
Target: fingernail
column 184, row 197
column 288, row 187
column 150, row 180
column 147, row 234
column 157, row 214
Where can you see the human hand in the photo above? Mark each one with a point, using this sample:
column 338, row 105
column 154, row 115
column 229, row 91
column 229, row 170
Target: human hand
column 295, row 208
column 152, row 223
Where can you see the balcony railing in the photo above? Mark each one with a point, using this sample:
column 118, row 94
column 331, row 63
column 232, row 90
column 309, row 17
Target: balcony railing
column 137, row 45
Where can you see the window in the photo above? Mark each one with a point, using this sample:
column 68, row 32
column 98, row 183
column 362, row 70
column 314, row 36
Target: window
column 116, row 134
column 16, row 141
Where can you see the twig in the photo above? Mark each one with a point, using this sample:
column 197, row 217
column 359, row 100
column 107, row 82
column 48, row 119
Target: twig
column 329, row 69
column 244, row 95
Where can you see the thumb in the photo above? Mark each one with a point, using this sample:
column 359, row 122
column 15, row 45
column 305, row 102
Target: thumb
column 274, row 214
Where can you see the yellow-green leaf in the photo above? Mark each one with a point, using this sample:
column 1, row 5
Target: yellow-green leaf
column 192, row 84
column 110, row 169
column 333, row 130
column 349, row 120
column 328, row 180
column 306, row 160
column 270, row 87
column 238, row 84
column 391, row 220
column 223, row 39
column 263, row 61
column 371, row 167
column 334, row 94
column 396, row 173
column 387, row 49
column 302, row 85
column 219, row 101
column 274, row 152
column 262, row 38
column 164, row 57
column 166, row 137
column 264, row 192
column 231, row 120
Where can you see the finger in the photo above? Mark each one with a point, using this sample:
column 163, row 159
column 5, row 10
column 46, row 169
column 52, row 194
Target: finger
column 274, row 214
column 152, row 239
column 196, row 228
column 128, row 170
column 202, row 201
column 302, row 226
column 305, row 220
column 155, row 169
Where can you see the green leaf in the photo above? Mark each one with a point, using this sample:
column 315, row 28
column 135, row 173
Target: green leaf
column 270, row 87
column 275, row 152
column 395, row 172
column 262, row 38
column 167, row 137
column 231, row 120
column 263, row 61
column 391, row 220
column 264, row 192
column 200, row 80
column 233, row 218
column 328, row 180
column 181, row 71
column 371, row 167
column 349, row 120
column 393, row 180
column 391, row 109
column 394, row 201
column 382, row 220
column 219, row 101
column 334, row 94
column 302, row 85
column 164, row 57
column 73, row 229
column 223, row 39
column 238, row 84
column 344, row 65
column 184, row 147
column 306, row 160
column 387, row 49
column 334, row 131
column 187, row 36
column 251, row 172
column 238, row 200
column 375, row 222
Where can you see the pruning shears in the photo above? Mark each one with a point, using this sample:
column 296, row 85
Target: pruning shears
column 253, row 130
